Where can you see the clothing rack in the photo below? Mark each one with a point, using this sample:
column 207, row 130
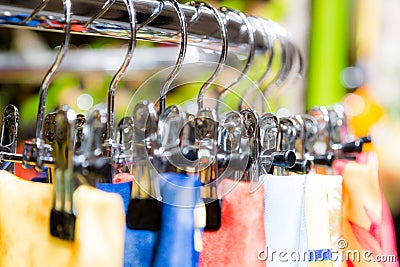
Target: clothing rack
column 204, row 32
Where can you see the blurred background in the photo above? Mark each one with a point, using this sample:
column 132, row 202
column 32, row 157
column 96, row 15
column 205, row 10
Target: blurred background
column 350, row 49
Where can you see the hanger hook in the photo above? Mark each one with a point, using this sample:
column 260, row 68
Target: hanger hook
column 109, row 3
column 183, row 30
column 251, row 36
column 121, row 71
column 224, row 49
column 44, row 87
column 288, row 49
column 36, row 11
column 269, row 38
column 128, row 58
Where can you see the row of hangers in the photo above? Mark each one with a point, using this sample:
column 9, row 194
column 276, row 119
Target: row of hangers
column 241, row 145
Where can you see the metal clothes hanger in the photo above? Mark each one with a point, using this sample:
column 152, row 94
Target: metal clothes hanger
column 206, row 130
column 36, row 152
column 93, row 162
column 175, row 145
column 231, row 162
column 144, row 210
column 109, row 146
column 80, row 123
column 257, row 126
column 62, row 217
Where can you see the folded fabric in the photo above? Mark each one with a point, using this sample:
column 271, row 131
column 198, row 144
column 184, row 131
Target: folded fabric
column 317, row 220
column 285, row 221
column 176, row 246
column 139, row 245
column 366, row 221
column 242, row 234
column 334, row 189
column 25, row 238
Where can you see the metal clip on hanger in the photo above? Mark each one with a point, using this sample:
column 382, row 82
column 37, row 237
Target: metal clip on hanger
column 9, row 133
column 232, row 162
column 80, row 123
column 206, row 131
column 144, row 210
column 89, row 165
column 320, row 150
column 329, row 133
column 124, row 141
column 269, row 131
column 250, row 140
column 340, row 137
column 62, row 216
column 302, row 165
column 49, row 129
column 175, row 149
column 285, row 156
column 310, row 137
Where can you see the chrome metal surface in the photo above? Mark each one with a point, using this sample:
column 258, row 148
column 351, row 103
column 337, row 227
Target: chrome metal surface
column 115, row 22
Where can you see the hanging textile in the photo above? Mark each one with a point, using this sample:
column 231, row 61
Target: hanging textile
column 242, row 234
column 25, row 238
column 317, row 221
column 139, row 244
column 285, row 220
column 334, row 189
column 366, row 221
column 176, row 246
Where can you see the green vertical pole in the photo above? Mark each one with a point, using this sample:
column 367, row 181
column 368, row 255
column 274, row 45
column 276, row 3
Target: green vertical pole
column 328, row 51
